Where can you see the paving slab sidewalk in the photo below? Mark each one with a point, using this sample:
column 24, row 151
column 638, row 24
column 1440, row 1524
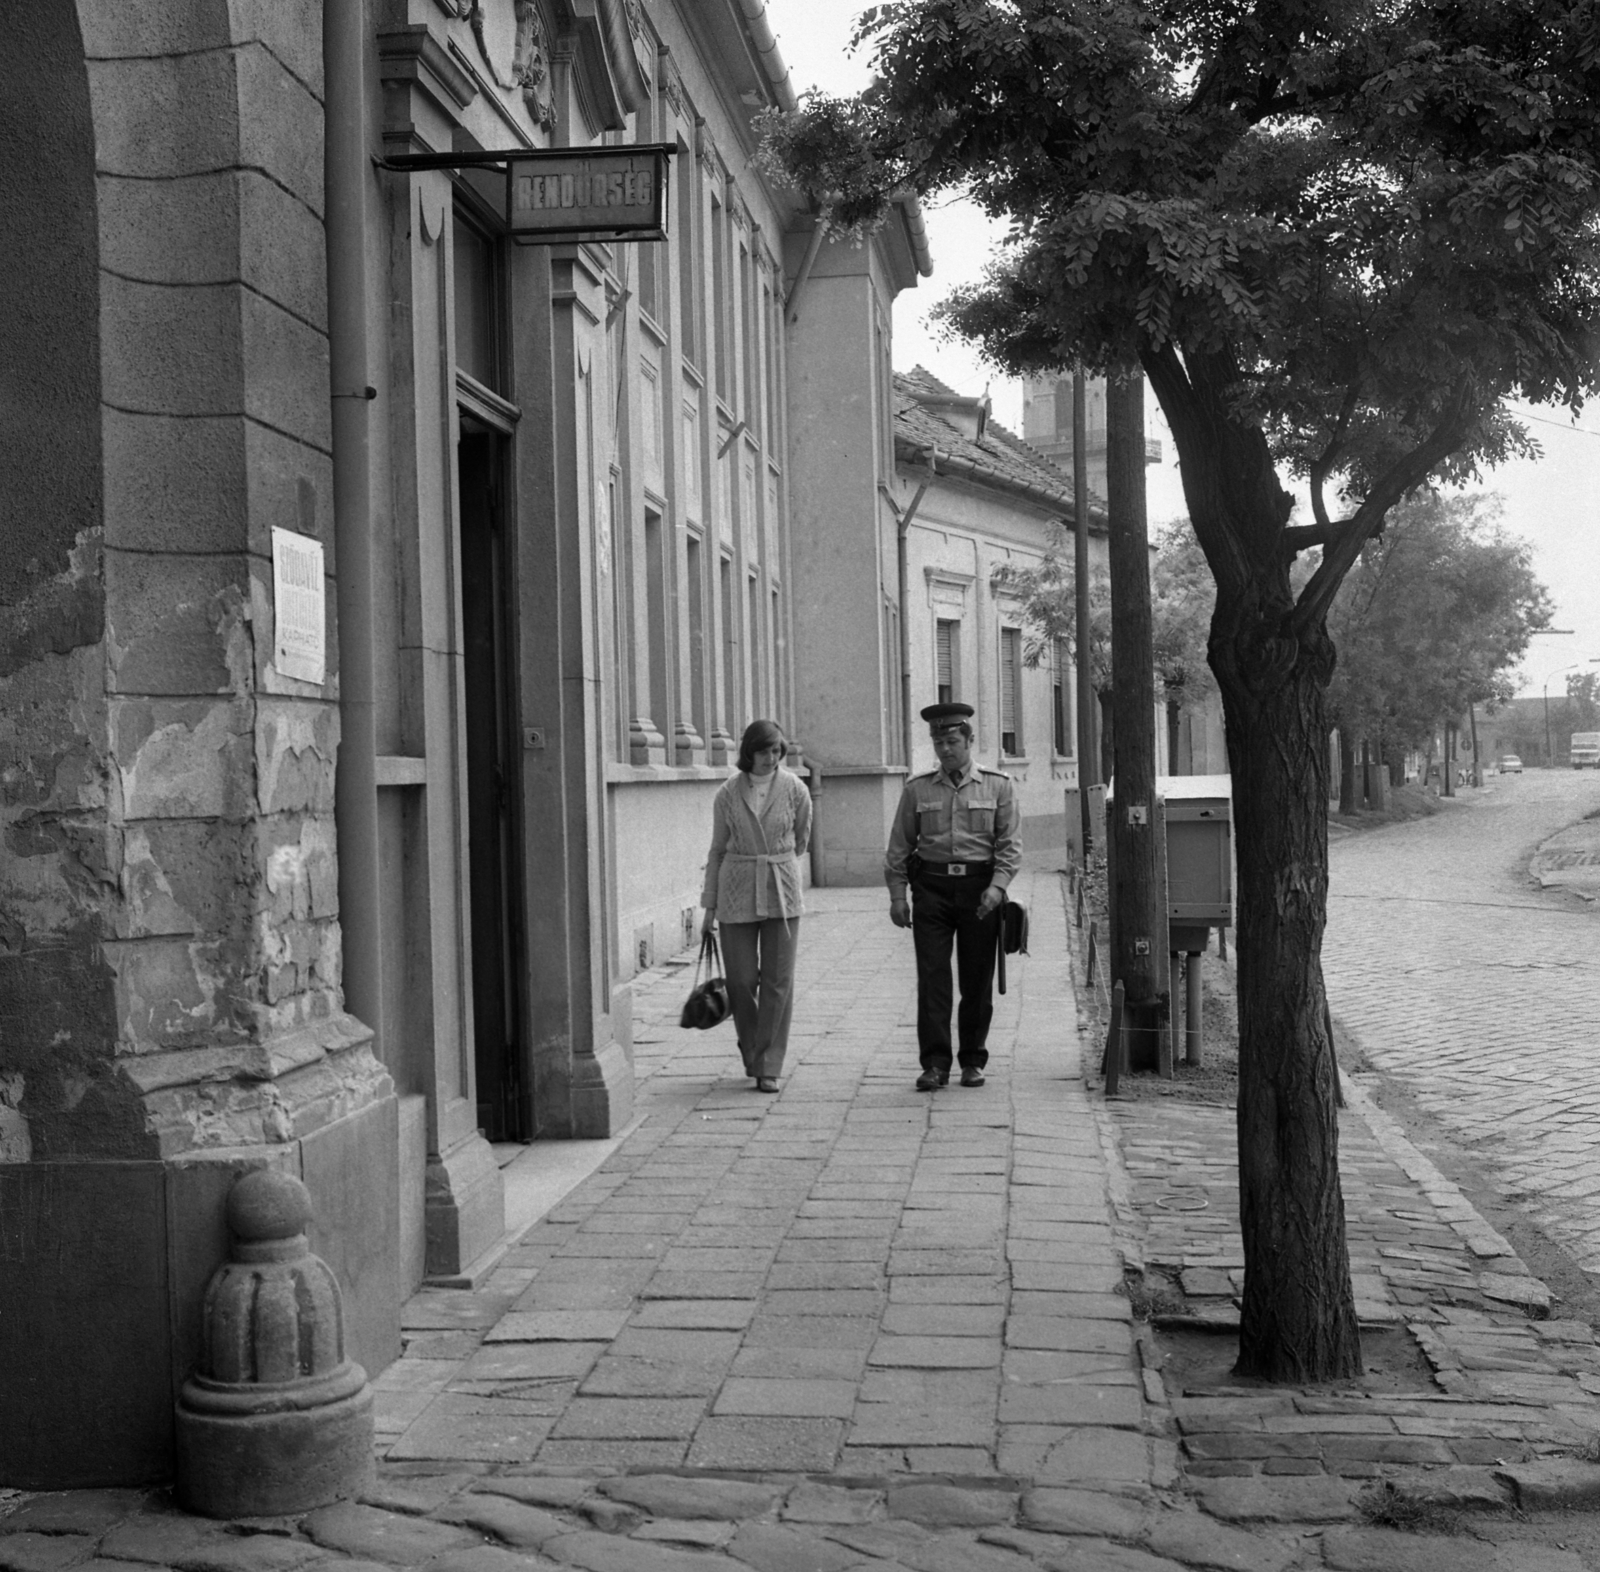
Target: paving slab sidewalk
column 1498, row 1395
column 850, row 1326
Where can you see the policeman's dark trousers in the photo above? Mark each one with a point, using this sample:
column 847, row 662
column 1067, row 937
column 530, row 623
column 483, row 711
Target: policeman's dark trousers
column 759, row 957
column 944, row 915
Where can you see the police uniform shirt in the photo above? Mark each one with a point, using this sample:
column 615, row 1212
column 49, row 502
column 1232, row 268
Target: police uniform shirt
column 974, row 820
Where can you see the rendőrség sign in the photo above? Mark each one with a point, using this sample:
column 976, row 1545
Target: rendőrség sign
column 611, row 191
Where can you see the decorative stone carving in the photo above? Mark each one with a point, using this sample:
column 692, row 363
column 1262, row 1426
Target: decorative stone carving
column 530, row 57
column 671, row 85
column 530, row 65
column 706, row 151
column 473, row 11
column 275, row 1420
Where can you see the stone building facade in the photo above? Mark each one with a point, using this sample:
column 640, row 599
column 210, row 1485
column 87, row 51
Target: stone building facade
column 374, row 927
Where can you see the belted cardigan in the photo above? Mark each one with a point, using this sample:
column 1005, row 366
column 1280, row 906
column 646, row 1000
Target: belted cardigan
column 753, row 867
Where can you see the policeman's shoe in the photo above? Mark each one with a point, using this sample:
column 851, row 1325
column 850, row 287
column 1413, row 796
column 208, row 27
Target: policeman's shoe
column 971, row 1076
column 932, row 1080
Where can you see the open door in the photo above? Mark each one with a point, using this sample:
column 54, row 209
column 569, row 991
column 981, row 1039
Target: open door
column 505, row 1101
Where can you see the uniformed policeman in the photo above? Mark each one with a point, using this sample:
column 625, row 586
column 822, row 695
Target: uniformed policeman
column 957, row 842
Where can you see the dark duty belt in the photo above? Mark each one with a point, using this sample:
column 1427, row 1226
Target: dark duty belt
column 956, row 870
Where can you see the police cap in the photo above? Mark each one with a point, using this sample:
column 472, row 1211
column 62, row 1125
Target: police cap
column 940, row 717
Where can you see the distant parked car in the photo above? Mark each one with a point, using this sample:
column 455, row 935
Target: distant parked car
column 1510, row 764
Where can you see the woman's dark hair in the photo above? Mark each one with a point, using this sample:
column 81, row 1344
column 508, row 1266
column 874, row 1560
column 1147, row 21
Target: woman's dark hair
column 760, row 734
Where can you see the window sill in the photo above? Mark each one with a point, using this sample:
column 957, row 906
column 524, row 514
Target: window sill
column 645, row 774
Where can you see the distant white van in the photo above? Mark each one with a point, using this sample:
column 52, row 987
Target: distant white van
column 1584, row 752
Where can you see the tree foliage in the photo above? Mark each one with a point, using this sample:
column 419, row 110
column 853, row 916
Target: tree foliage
column 1181, row 600
column 1351, row 226
column 1582, row 712
column 1433, row 618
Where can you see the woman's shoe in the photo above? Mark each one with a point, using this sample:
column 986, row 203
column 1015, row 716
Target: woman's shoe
column 766, row 1083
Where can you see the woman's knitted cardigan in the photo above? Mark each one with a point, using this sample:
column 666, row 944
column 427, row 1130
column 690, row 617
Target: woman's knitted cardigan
column 753, row 869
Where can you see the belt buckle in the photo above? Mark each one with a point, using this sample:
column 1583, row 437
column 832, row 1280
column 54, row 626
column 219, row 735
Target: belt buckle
column 955, row 869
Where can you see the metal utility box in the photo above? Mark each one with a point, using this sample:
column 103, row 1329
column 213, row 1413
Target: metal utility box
column 1198, row 810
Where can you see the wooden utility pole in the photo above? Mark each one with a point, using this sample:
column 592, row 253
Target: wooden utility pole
column 1088, row 741
column 1138, row 882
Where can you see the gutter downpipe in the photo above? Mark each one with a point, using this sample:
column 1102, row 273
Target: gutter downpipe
column 819, row 859
column 813, row 246
column 903, row 528
column 345, row 164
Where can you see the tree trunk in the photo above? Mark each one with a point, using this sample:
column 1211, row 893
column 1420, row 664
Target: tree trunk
column 1174, row 737
column 1138, row 902
column 1348, row 802
column 1298, row 1321
column 1273, row 664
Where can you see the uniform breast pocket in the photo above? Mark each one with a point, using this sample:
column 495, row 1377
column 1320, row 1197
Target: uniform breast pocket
column 980, row 813
column 933, row 818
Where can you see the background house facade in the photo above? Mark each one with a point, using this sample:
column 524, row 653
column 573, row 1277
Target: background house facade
column 903, row 608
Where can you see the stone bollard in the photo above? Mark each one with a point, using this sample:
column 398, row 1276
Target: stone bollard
column 275, row 1420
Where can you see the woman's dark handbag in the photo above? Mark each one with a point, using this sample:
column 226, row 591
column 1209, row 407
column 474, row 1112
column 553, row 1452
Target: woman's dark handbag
column 1011, row 936
column 708, row 1004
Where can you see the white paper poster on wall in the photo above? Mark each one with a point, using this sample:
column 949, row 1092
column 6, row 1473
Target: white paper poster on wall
column 300, row 613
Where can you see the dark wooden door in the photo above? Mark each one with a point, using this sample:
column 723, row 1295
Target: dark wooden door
column 505, row 1107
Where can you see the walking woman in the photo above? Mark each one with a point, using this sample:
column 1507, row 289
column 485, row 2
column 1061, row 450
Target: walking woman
column 760, row 828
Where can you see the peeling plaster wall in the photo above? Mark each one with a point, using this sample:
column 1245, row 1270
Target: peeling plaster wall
column 58, row 1089
column 167, row 799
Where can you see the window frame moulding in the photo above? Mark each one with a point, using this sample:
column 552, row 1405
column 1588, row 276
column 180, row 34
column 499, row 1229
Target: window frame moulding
column 955, row 579
column 487, row 405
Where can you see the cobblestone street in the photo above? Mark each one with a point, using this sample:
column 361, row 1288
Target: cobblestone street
column 1460, row 976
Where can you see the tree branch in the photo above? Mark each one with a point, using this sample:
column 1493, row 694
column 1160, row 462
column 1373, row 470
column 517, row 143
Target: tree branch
column 1402, row 476
column 1325, row 460
column 1302, row 537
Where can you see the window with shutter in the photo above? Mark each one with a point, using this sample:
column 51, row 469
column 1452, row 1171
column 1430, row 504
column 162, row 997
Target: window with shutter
column 948, row 653
column 1011, row 691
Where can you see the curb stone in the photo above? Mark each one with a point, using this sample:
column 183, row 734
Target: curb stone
column 1553, row 1483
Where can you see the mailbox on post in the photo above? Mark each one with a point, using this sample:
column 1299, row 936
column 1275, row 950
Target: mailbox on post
column 1197, row 814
